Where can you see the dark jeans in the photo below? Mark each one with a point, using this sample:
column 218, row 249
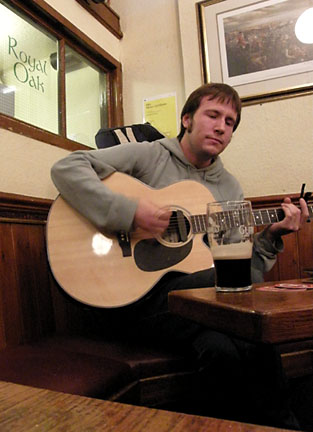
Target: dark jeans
column 237, row 380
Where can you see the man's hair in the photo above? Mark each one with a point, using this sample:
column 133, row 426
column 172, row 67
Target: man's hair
column 219, row 91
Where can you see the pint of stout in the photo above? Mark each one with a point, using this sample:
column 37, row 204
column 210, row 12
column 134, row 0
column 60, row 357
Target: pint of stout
column 230, row 234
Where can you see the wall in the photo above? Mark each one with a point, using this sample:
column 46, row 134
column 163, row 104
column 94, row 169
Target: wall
column 150, row 53
column 25, row 165
column 271, row 153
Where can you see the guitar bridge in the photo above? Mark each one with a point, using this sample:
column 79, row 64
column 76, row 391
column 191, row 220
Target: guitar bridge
column 124, row 242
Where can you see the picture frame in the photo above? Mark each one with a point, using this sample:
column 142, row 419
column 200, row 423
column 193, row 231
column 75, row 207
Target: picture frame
column 251, row 45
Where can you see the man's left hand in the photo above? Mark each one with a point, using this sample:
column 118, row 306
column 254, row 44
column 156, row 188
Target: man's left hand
column 293, row 221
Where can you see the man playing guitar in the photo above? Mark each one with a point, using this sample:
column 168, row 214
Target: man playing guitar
column 210, row 116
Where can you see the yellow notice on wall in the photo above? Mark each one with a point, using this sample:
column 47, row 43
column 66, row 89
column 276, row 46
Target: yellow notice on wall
column 161, row 112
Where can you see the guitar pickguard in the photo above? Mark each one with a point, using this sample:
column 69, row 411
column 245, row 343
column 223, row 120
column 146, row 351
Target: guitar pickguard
column 150, row 255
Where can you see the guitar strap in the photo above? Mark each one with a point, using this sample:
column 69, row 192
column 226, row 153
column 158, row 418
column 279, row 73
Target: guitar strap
column 130, row 134
column 126, row 137
column 121, row 136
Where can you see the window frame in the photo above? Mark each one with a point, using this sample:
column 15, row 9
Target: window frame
column 67, row 34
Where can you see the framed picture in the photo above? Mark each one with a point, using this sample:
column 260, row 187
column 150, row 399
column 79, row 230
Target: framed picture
column 252, row 45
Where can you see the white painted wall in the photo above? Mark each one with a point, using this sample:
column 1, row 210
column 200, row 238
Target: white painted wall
column 271, row 153
column 150, row 53
column 25, row 165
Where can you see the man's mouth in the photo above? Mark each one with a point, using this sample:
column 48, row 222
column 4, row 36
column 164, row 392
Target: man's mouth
column 215, row 140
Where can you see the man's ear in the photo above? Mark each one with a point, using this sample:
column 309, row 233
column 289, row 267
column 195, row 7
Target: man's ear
column 186, row 120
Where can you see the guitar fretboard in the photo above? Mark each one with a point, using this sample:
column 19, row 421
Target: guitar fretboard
column 269, row 216
column 260, row 217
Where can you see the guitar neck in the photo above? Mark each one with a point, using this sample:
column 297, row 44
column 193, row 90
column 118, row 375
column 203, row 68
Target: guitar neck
column 269, row 216
column 260, row 217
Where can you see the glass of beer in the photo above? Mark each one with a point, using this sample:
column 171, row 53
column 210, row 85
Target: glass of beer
column 230, row 231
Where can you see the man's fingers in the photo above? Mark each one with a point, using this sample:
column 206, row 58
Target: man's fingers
column 295, row 216
column 162, row 220
column 293, row 221
column 304, row 210
column 151, row 218
column 164, row 214
column 287, row 200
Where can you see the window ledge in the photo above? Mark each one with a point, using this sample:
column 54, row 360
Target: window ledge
column 25, row 129
column 105, row 15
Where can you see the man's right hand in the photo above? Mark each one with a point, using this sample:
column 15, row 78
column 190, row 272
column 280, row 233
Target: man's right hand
column 151, row 218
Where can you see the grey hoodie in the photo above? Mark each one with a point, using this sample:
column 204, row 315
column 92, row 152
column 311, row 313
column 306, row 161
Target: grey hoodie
column 157, row 164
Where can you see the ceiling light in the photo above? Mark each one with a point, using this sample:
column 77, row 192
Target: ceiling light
column 304, row 27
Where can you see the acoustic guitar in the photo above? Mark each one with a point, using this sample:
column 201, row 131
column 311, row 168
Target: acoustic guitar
column 111, row 270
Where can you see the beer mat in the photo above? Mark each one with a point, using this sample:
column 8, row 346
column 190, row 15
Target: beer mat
column 295, row 285
column 287, row 287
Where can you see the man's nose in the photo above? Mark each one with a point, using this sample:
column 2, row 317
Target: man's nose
column 219, row 125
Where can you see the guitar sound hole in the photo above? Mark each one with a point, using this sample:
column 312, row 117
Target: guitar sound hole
column 178, row 230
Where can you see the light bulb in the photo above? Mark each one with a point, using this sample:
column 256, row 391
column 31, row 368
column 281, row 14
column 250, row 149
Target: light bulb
column 304, row 27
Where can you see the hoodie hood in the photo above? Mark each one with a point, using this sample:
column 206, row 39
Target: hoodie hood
column 211, row 173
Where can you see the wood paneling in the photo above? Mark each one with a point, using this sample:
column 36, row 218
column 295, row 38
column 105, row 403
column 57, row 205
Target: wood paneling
column 10, row 304
column 33, row 283
column 298, row 247
column 305, row 244
column 26, row 307
column 31, row 303
column 104, row 14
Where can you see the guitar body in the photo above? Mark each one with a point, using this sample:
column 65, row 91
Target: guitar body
column 100, row 269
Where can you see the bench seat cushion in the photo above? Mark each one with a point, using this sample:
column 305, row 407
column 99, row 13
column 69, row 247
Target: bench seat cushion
column 64, row 370
column 144, row 360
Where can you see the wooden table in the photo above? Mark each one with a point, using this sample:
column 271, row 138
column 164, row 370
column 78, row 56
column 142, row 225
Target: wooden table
column 284, row 318
column 26, row 409
column 256, row 315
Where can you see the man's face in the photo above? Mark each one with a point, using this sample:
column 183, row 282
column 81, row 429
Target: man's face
column 209, row 131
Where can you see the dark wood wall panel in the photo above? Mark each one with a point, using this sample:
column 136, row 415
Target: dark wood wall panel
column 297, row 256
column 26, row 309
column 10, row 302
column 305, row 244
column 32, row 304
column 289, row 259
column 33, row 281
column 26, row 305
column 298, row 247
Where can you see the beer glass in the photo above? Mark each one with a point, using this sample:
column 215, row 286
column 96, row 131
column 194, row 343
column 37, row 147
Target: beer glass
column 230, row 231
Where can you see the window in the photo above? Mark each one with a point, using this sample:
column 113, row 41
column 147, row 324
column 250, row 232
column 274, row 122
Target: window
column 62, row 85
column 29, row 84
column 86, row 102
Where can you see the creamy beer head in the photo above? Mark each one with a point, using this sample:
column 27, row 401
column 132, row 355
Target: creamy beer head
column 232, row 251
